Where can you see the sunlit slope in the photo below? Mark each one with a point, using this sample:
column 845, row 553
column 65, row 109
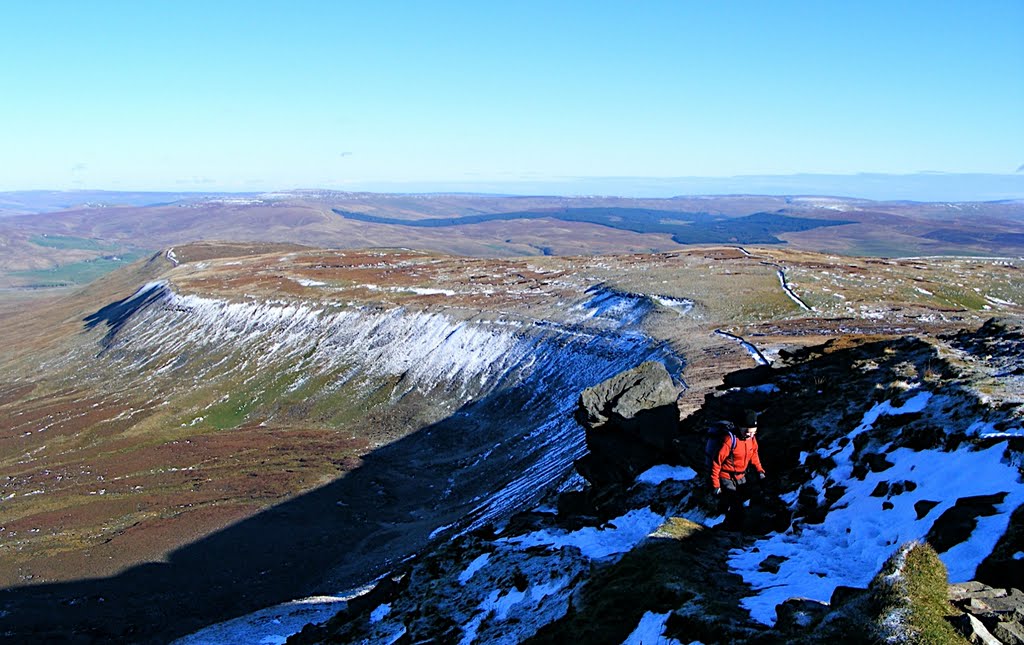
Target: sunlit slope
column 209, row 381
column 178, row 412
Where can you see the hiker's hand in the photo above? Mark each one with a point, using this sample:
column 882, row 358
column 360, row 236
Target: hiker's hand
column 760, row 475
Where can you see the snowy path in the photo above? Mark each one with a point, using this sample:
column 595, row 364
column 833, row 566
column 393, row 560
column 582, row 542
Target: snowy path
column 789, row 291
column 753, row 351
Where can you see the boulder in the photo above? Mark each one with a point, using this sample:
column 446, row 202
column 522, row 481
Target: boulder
column 843, row 594
column 630, row 421
column 627, row 398
column 799, row 614
column 991, row 615
column 1011, row 633
column 966, row 590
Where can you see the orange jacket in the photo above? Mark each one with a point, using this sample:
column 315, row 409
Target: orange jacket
column 733, row 462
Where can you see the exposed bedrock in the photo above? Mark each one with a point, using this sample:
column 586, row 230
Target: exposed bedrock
column 630, row 420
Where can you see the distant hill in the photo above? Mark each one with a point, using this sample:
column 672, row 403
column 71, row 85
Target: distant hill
column 45, row 248
column 685, row 228
column 48, row 201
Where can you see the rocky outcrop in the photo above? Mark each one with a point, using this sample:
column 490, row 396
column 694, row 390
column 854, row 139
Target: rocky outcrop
column 989, row 615
column 630, row 421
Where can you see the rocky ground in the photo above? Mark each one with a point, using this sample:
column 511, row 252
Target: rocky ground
column 130, row 444
column 636, row 552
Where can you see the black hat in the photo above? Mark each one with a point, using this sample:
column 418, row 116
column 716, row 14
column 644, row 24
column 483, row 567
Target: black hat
column 749, row 419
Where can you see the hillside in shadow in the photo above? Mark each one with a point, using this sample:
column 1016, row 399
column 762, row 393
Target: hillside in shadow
column 328, row 540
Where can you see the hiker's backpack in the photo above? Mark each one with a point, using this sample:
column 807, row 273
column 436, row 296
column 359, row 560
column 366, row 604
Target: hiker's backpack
column 717, row 434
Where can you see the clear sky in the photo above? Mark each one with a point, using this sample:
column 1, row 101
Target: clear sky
column 190, row 95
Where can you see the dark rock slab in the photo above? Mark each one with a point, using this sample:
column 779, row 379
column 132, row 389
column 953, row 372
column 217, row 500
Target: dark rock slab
column 630, row 421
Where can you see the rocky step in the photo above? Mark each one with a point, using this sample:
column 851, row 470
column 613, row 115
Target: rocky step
column 990, row 615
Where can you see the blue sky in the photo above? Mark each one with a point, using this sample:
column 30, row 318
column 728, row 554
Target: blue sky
column 272, row 95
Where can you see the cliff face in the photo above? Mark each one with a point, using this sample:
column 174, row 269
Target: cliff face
column 501, row 389
column 869, row 445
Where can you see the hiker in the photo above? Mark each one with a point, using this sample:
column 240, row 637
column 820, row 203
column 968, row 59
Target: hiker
column 729, row 466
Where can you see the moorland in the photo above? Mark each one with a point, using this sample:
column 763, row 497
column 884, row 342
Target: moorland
column 256, row 368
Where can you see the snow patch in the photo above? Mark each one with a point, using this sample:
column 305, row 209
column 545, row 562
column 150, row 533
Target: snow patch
column 649, row 631
column 658, row 474
column 999, row 301
column 306, row 282
column 858, row 535
column 754, row 352
column 621, row 535
column 439, row 530
column 789, row 291
column 271, row 625
column 615, row 307
column 428, row 291
column 478, row 563
column 680, row 305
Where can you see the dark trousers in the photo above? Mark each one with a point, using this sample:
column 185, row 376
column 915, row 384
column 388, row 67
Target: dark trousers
column 730, row 503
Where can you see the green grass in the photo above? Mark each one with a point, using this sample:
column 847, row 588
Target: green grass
column 911, row 597
column 70, row 242
column 229, row 413
column 279, row 397
column 76, row 273
column 240, row 403
column 966, row 298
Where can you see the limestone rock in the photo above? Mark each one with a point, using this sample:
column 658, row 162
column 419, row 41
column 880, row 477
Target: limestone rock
column 1011, row 633
column 625, row 396
column 630, row 420
column 991, row 615
column 975, row 631
column 967, row 590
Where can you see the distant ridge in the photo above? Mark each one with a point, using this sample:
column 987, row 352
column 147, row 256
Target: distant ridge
column 920, row 187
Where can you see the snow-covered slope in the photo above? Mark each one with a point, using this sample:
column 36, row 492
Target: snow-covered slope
column 881, row 510
column 512, row 381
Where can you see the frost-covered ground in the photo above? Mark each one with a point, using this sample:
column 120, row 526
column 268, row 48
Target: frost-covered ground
column 861, row 530
column 649, row 631
column 478, row 367
column 271, row 626
column 171, row 332
column 550, row 362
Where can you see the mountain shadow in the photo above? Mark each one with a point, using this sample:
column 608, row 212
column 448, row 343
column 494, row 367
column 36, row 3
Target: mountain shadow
column 328, row 540
column 117, row 313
